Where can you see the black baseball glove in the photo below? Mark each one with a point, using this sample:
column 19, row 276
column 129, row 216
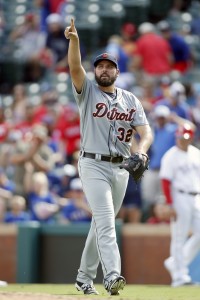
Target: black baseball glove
column 136, row 165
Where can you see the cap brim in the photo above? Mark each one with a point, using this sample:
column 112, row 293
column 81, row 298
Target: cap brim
column 185, row 136
column 98, row 61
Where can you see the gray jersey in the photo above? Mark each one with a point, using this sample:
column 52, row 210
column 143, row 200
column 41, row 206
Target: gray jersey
column 107, row 123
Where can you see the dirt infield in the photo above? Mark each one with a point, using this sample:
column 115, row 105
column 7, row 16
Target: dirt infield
column 29, row 296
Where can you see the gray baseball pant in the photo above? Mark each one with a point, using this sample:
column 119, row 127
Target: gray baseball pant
column 104, row 184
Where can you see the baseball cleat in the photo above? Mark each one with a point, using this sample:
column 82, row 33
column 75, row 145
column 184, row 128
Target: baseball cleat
column 179, row 283
column 169, row 265
column 3, row 283
column 86, row 288
column 115, row 285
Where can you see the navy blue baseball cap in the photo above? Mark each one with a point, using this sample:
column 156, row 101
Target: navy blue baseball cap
column 106, row 56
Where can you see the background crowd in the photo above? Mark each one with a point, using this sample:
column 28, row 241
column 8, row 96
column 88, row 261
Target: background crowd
column 39, row 120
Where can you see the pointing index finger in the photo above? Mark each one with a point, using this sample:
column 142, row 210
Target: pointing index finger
column 72, row 23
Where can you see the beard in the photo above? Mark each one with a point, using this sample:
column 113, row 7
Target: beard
column 105, row 81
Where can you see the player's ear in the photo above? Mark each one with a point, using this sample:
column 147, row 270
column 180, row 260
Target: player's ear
column 118, row 72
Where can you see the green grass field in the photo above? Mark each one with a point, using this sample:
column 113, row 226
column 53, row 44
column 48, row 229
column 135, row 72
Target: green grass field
column 131, row 292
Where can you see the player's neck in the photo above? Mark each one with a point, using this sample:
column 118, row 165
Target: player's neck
column 183, row 147
column 108, row 89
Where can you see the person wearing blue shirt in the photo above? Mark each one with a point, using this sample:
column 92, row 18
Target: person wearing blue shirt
column 5, row 183
column 114, row 47
column 176, row 101
column 180, row 49
column 164, row 124
column 164, row 138
column 17, row 212
column 76, row 208
column 42, row 204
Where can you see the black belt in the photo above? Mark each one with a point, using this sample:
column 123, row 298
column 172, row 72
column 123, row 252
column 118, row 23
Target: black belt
column 113, row 159
column 189, row 193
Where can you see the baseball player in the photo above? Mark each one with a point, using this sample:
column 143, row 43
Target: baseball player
column 180, row 177
column 108, row 115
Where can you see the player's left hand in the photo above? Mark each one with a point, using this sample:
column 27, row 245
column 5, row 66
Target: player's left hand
column 136, row 165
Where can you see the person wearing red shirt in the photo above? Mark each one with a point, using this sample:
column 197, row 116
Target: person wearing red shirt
column 4, row 126
column 69, row 127
column 47, row 7
column 25, row 126
column 153, row 54
column 180, row 48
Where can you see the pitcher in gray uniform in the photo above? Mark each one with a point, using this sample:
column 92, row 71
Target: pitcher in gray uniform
column 109, row 116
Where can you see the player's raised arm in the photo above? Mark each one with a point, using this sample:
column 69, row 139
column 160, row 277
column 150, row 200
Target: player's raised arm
column 77, row 71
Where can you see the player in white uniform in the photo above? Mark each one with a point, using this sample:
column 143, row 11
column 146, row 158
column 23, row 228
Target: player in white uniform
column 108, row 115
column 180, row 176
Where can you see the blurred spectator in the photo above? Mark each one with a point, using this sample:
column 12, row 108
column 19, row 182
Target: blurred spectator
column 158, row 215
column 42, row 204
column 76, row 208
column 7, row 187
column 56, row 43
column 131, row 209
column 176, row 100
column 164, row 125
column 51, row 113
column 195, row 22
column 2, row 21
column 145, row 92
column 47, row 7
column 114, row 46
column 60, row 178
column 4, row 125
column 162, row 87
column 17, row 211
column 69, row 127
column 20, row 99
column 30, row 42
column 153, row 55
column 195, row 25
column 123, row 46
column 32, row 149
column 6, row 148
column 193, row 99
column 54, row 53
column 128, row 34
column 49, row 102
column 164, row 138
column 181, row 51
column 54, row 139
column 2, row 212
column 5, row 130
column 62, row 10
column 191, row 94
column 26, row 125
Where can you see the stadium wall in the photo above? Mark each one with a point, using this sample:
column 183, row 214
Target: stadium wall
column 51, row 254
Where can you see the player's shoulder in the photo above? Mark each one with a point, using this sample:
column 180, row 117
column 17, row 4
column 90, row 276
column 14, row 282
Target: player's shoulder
column 171, row 152
column 127, row 94
column 194, row 149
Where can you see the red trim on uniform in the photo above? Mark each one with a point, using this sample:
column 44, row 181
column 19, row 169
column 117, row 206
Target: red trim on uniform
column 166, row 186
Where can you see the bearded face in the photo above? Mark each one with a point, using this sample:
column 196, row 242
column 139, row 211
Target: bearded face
column 105, row 79
column 106, row 73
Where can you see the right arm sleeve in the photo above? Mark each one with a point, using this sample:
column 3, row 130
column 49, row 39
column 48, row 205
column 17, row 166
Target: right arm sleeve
column 80, row 97
column 166, row 187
